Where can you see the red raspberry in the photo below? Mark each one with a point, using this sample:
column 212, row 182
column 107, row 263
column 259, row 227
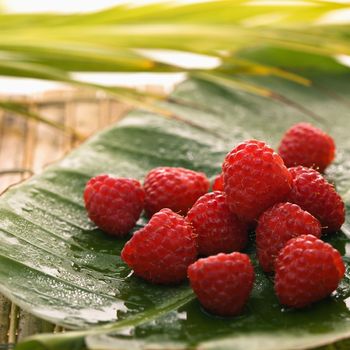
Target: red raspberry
column 114, row 204
column 217, row 229
column 307, row 270
column 174, row 188
column 222, row 282
column 314, row 194
column 303, row 144
column 218, row 183
column 277, row 226
column 255, row 178
column 162, row 250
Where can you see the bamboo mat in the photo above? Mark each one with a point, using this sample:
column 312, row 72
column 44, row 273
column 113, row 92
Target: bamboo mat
column 26, row 147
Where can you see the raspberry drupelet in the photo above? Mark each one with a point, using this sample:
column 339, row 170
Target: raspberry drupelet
column 218, row 183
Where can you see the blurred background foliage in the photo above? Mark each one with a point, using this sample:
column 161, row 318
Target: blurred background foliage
column 141, row 38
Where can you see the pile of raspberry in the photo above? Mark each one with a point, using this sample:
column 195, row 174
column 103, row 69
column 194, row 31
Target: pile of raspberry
column 282, row 196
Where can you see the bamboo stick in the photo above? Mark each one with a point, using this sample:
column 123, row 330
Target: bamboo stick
column 5, row 308
column 12, row 332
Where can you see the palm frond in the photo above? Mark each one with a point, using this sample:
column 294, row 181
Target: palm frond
column 53, row 46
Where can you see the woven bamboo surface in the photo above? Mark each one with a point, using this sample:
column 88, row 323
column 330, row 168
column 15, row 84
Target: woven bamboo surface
column 26, row 147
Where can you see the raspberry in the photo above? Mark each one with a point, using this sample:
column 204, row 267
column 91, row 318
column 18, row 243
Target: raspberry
column 222, row 282
column 217, row 229
column 303, row 144
column 114, row 204
column 277, row 226
column 161, row 251
column 218, row 183
column 174, row 188
column 255, row 178
column 307, row 270
column 314, row 194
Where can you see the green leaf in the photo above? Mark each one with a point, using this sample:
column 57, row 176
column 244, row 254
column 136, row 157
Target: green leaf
column 106, row 40
column 58, row 266
column 53, row 46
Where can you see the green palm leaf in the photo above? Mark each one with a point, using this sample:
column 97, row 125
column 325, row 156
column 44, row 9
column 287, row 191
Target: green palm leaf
column 53, row 46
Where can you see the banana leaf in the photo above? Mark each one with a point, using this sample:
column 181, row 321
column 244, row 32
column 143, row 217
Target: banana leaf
column 57, row 265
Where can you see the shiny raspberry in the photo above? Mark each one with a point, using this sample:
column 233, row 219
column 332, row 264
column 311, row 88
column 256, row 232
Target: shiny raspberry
column 307, row 270
column 218, row 183
column 114, row 204
column 174, row 188
column 304, row 144
column 217, row 229
column 162, row 250
column 313, row 193
column 277, row 226
column 255, row 178
column 222, row 282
